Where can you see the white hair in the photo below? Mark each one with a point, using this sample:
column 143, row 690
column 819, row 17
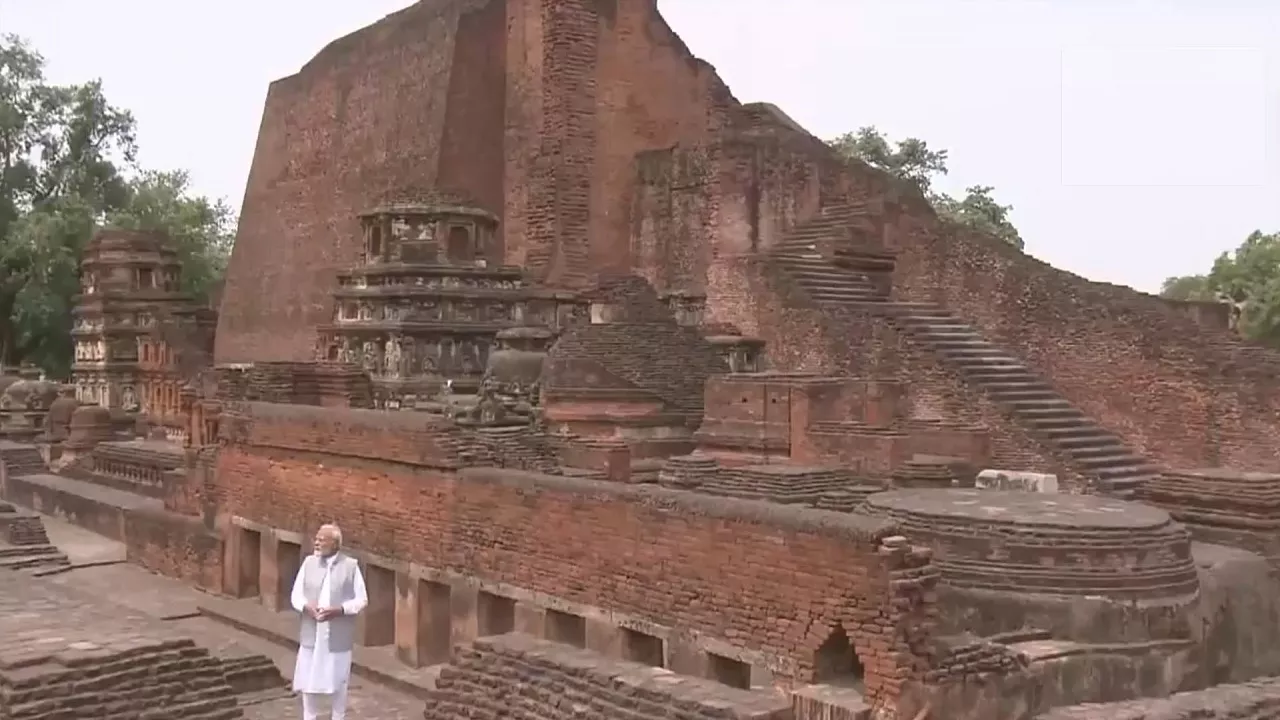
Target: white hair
column 332, row 531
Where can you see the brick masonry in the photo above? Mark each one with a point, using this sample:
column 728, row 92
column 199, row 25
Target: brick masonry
column 1021, row 542
column 563, row 122
column 550, row 680
column 71, row 656
column 702, row 564
column 528, row 106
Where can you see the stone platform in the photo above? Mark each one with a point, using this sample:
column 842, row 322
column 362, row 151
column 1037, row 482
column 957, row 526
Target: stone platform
column 94, row 507
column 75, row 656
column 1075, row 545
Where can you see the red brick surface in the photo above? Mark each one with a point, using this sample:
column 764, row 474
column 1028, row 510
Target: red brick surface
column 419, row 101
column 761, row 576
column 578, row 99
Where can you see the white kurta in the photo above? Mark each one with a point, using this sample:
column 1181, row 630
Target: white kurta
column 318, row 670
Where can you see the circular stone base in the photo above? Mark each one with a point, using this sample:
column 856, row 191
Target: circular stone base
column 1045, row 543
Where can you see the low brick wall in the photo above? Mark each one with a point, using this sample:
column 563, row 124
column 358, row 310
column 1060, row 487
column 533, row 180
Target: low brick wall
column 704, row 565
column 550, row 680
column 176, row 546
column 77, row 502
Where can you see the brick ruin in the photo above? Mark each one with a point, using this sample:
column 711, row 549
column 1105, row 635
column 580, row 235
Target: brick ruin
column 71, row 656
column 138, row 337
column 632, row 396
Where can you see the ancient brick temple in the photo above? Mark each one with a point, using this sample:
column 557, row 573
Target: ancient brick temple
column 424, row 305
column 632, row 396
column 132, row 325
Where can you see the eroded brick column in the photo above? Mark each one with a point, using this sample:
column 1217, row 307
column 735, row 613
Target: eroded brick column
column 241, row 562
column 463, row 614
column 377, row 624
column 530, row 619
column 894, row 647
column 278, row 566
column 423, row 619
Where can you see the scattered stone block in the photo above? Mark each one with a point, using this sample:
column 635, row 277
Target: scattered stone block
column 1016, row 480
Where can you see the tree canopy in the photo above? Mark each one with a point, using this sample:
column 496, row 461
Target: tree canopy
column 1248, row 277
column 67, row 167
column 913, row 161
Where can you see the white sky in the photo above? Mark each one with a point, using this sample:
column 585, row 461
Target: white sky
column 1135, row 139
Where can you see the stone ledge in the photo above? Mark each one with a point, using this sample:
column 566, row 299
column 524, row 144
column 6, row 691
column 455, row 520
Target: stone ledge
column 281, row 628
column 93, row 507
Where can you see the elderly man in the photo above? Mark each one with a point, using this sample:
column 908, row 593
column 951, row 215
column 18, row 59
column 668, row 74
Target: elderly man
column 329, row 592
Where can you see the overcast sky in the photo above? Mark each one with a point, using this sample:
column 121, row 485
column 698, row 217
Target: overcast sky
column 1135, row 140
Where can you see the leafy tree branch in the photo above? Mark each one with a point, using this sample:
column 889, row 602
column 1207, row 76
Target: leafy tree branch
column 913, row 161
column 68, row 167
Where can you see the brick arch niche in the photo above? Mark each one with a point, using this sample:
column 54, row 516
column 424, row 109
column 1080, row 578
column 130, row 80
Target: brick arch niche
column 836, row 662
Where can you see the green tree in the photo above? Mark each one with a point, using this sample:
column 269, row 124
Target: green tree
column 1187, row 287
column 1248, row 277
column 67, row 167
column 202, row 230
column 61, row 153
column 913, row 161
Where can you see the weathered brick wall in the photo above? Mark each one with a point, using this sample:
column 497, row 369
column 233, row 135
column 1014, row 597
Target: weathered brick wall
column 176, row 546
column 361, row 120
column 644, row 349
column 494, row 675
column 531, row 106
column 640, row 550
column 1097, row 343
column 758, row 188
column 471, row 148
column 303, row 383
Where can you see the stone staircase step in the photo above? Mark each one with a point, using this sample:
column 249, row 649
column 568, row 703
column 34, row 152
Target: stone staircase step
column 807, row 275
column 1073, row 437
column 1100, row 451
column 986, row 377
column 989, row 363
column 1122, row 460
column 974, row 353
column 1031, row 405
column 1014, row 397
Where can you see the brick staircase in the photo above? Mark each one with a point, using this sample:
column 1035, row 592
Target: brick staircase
column 34, row 559
column 1062, row 429
column 799, row 255
column 20, row 459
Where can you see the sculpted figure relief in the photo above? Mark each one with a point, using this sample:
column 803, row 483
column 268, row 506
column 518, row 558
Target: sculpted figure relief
column 391, row 365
